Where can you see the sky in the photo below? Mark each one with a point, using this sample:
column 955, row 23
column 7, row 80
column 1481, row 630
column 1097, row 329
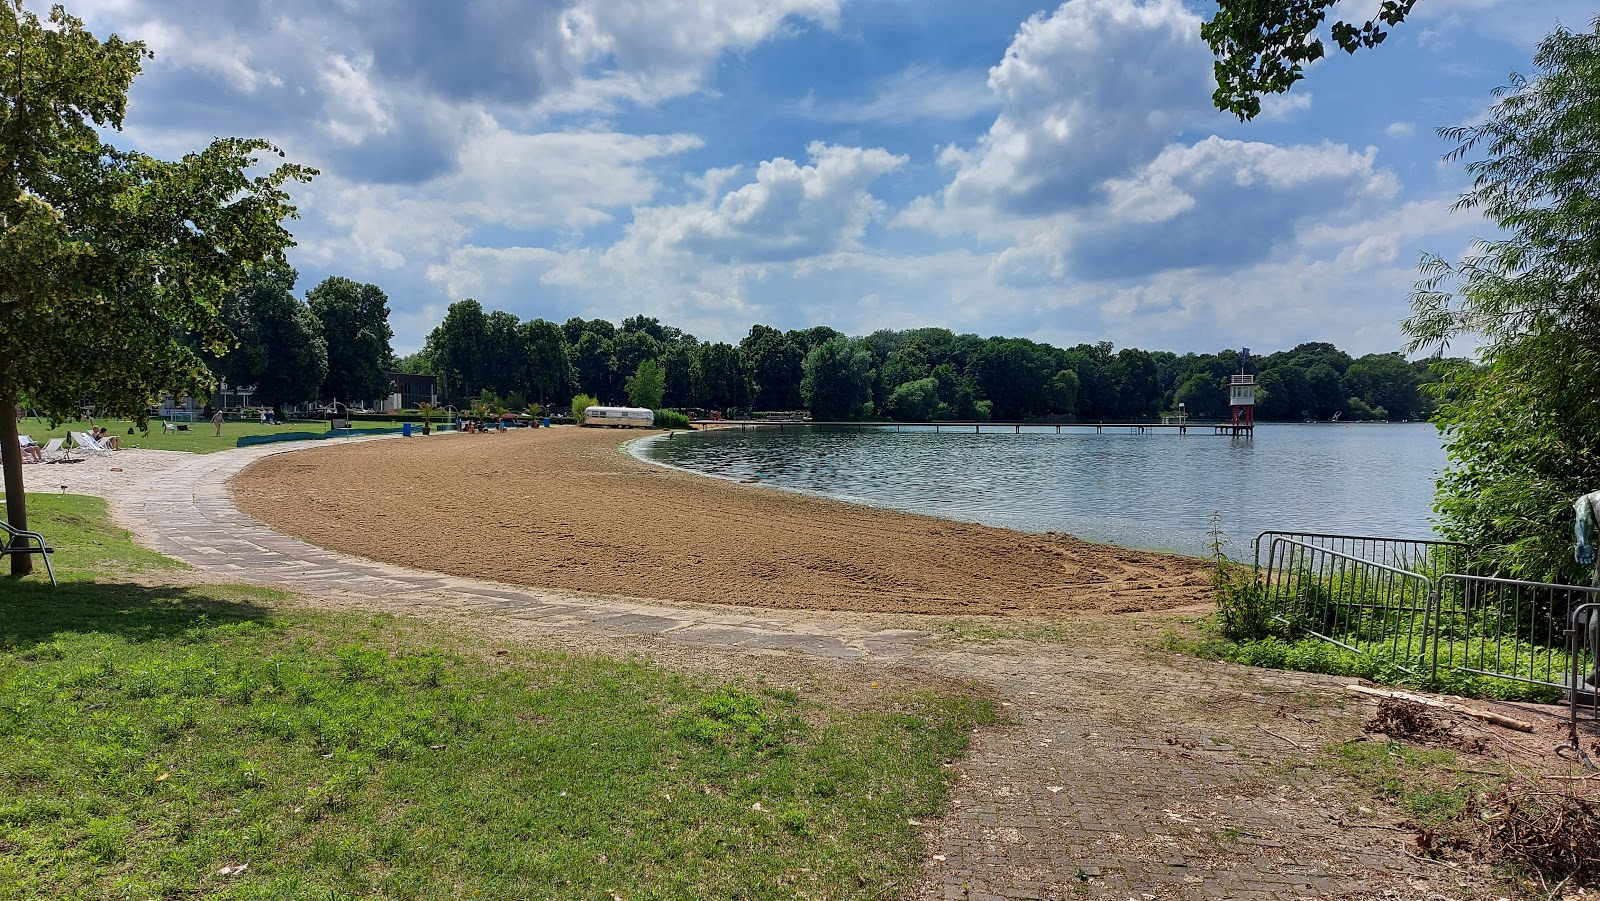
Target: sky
column 1054, row 172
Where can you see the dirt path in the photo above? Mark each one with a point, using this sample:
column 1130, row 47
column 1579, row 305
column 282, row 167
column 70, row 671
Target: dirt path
column 562, row 508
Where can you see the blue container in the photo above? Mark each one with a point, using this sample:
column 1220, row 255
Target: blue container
column 405, row 429
column 547, row 422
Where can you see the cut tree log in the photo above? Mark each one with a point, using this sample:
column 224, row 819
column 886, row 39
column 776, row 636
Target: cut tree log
column 1490, row 716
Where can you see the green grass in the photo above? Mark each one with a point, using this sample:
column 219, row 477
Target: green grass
column 200, row 439
column 1424, row 782
column 152, row 735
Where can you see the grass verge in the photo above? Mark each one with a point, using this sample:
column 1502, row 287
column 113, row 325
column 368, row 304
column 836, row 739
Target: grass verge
column 201, row 438
column 161, row 741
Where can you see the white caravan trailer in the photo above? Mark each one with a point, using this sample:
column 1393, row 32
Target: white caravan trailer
column 620, row 417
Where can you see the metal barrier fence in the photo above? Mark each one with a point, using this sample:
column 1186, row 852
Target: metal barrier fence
column 1583, row 687
column 1419, row 555
column 1356, row 603
column 1404, row 601
column 1509, row 629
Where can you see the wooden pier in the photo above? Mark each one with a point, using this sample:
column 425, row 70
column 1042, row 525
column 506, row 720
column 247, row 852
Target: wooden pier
column 1231, row 429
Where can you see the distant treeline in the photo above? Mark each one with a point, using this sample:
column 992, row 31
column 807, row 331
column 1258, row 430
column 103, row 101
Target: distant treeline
column 912, row 375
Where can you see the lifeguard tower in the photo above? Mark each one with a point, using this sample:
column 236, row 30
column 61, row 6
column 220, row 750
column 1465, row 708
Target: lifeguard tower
column 1242, row 400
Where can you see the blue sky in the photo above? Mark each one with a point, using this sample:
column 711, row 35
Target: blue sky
column 1005, row 168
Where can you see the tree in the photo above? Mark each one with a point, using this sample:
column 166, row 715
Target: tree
column 1387, row 381
column 113, row 264
column 596, row 364
column 453, row 346
column 280, row 347
column 547, row 367
column 677, row 363
column 632, row 348
column 916, row 401
column 1063, row 392
column 1523, row 430
column 720, row 377
column 1263, row 46
column 355, row 324
column 647, row 385
column 1012, row 374
column 838, row 379
column 773, row 359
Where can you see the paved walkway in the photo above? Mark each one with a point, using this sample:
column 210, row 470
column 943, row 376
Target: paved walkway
column 1122, row 773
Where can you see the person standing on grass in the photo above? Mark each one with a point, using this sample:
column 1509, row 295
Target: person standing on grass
column 216, row 420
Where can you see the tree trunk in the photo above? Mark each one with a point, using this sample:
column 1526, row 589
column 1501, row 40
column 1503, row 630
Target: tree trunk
column 11, row 463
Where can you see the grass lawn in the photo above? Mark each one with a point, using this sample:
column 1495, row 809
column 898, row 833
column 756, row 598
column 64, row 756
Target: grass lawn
column 152, row 737
column 201, row 437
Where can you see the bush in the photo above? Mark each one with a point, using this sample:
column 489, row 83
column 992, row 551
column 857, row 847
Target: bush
column 672, row 419
column 582, row 402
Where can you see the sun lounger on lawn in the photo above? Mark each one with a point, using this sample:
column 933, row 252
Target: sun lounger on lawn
column 9, row 545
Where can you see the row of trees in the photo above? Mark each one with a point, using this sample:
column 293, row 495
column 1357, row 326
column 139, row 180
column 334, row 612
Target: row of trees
column 334, row 344
column 914, row 375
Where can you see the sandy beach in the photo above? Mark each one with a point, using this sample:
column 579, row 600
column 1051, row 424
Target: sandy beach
column 565, row 508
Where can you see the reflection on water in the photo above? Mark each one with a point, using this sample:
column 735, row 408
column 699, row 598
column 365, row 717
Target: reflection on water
column 1146, row 491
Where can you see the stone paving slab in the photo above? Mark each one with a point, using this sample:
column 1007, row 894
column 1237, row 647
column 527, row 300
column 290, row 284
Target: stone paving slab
column 1119, row 774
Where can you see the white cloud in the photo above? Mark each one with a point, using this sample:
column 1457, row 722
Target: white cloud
column 789, row 212
column 1086, row 92
column 913, row 95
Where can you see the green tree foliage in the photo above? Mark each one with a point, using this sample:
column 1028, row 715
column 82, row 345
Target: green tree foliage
column 596, row 362
column 418, row 363
column 648, row 385
column 773, row 359
column 632, row 348
column 916, row 401
column 721, row 380
column 1387, row 381
column 500, row 357
column 837, row 380
column 113, row 264
column 1523, row 430
column 1263, row 46
column 677, row 364
column 547, row 363
column 1012, row 374
column 354, row 319
column 280, row 346
column 454, row 345
column 1063, row 392
column 580, row 403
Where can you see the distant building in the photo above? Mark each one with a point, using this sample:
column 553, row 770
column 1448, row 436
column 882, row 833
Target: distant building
column 411, row 390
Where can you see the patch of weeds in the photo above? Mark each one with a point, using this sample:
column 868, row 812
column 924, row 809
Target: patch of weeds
column 1421, row 781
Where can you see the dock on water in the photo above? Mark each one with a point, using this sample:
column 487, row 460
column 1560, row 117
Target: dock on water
column 1231, row 429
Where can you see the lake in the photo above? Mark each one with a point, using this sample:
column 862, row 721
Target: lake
column 1155, row 491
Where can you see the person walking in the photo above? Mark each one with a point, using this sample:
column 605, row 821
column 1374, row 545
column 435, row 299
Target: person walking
column 216, row 420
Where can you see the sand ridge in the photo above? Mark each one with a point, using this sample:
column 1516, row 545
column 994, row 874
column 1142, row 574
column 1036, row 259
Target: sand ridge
column 563, row 508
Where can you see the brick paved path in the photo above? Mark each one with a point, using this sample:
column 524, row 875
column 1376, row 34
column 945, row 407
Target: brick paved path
column 1121, row 773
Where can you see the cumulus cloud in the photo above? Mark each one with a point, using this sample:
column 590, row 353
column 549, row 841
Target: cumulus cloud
column 789, row 212
column 1085, row 92
column 1088, row 171
column 377, row 92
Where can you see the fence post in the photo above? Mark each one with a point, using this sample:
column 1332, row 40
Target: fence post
column 1430, row 624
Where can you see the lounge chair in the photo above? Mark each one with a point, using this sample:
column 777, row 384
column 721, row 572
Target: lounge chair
column 168, row 427
column 9, row 535
column 55, row 448
column 88, row 445
column 30, row 451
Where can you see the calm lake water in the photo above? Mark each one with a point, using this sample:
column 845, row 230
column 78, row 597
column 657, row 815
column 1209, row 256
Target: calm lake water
column 1146, row 491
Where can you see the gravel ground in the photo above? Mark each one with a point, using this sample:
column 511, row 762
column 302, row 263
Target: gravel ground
column 100, row 476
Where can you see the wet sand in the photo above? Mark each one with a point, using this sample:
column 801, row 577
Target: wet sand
column 565, row 508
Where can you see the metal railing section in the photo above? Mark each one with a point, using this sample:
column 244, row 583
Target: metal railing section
column 1357, row 603
column 1424, row 556
column 1507, row 628
column 1583, row 676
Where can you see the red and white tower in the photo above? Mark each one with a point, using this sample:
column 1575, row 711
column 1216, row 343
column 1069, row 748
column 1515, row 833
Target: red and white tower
column 1242, row 395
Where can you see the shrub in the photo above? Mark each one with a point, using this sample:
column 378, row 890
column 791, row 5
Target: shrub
column 582, row 402
column 672, row 419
